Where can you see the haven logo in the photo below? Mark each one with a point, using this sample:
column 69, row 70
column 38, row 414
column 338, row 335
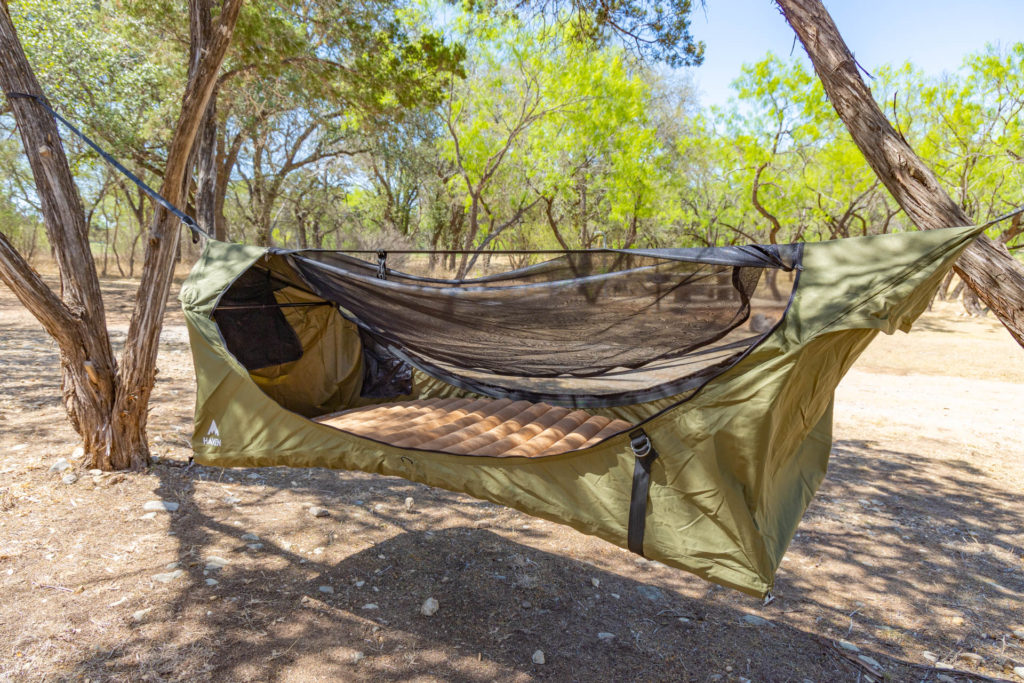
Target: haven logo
column 212, row 437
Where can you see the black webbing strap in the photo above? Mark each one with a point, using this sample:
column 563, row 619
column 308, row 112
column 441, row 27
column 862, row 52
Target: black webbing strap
column 645, row 455
column 189, row 222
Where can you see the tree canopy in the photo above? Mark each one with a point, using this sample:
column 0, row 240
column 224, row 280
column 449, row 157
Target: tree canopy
column 348, row 124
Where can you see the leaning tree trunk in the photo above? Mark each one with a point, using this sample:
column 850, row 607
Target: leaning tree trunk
column 986, row 267
column 106, row 404
column 75, row 319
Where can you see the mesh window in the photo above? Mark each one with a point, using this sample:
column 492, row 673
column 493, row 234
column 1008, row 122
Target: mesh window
column 254, row 328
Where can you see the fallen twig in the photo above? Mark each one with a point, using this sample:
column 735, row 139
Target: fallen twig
column 56, row 588
column 853, row 657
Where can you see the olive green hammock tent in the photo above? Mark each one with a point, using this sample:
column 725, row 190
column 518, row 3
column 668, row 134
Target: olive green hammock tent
column 677, row 402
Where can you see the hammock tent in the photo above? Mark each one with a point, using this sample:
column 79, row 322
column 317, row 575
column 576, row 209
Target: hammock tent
column 677, row 402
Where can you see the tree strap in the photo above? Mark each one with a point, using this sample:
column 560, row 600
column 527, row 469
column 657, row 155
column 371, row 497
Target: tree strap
column 189, row 222
column 645, row 455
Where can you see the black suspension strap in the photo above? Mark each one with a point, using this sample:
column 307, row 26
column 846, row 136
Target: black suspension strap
column 189, row 222
column 645, row 455
column 382, row 265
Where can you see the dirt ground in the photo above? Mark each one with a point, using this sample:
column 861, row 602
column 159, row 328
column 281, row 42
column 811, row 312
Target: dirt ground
column 912, row 552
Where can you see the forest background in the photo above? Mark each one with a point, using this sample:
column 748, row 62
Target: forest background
column 428, row 125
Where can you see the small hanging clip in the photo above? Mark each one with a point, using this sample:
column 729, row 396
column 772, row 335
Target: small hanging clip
column 382, row 265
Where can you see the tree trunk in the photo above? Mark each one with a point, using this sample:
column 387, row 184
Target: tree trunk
column 106, row 405
column 987, row 268
column 76, row 319
column 138, row 362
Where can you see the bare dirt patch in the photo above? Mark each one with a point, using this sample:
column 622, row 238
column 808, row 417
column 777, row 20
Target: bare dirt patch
column 913, row 548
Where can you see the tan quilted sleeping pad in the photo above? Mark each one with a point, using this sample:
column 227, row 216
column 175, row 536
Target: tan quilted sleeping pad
column 494, row 427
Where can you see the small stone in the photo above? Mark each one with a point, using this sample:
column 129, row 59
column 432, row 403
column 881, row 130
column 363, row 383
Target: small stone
column 172, row 565
column 596, row 583
column 358, row 657
column 527, row 604
column 213, row 563
column 379, row 507
column 326, row 589
column 930, row 656
column 319, row 512
column 1018, row 634
column 141, row 614
column 371, row 605
column 538, row 657
column 254, row 546
column 148, row 515
column 715, row 677
column 755, row 620
column 684, row 620
column 169, row 576
column 847, row 645
column 231, row 500
column 604, row 635
column 409, row 503
column 160, row 506
column 69, row 479
column 78, row 453
column 212, row 582
column 360, row 583
column 96, row 473
column 972, row 657
column 1019, row 671
column 429, row 607
column 943, row 678
column 650, row 592
column 250, row 537
column 60, row 466
column 115, row 479
column 870, row 662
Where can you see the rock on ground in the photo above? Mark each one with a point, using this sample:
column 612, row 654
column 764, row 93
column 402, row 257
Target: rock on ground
column 429, row 607
column 160, row 506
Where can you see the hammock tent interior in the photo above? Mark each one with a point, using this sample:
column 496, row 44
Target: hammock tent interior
column 677, row 402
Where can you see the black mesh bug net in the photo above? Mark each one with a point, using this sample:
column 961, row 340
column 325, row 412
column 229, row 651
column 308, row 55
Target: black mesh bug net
column 586, row 329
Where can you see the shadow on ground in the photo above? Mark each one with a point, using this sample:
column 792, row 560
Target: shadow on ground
column 279, row 613
column 887, row 524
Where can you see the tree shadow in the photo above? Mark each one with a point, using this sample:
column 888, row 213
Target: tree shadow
column 339, row 597
column 937, row 533
column 281, row 612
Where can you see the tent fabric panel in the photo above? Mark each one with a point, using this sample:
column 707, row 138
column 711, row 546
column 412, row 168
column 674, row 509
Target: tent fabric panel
column 328, row 375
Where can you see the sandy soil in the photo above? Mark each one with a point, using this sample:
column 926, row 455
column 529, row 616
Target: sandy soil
column 913, row 552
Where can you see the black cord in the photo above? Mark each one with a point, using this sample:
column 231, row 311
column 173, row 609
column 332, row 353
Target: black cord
column 189, row 222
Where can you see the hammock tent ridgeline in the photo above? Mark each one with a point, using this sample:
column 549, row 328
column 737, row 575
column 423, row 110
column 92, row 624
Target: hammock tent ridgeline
column 677, row 402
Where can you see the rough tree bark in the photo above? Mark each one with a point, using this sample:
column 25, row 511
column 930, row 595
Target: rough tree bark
column 987, row 267
column 106, row 403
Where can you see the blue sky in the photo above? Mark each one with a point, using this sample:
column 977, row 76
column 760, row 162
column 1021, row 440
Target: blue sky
column 935, row 35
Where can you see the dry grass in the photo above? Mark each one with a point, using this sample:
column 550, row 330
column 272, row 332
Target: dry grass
column 914, row 544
